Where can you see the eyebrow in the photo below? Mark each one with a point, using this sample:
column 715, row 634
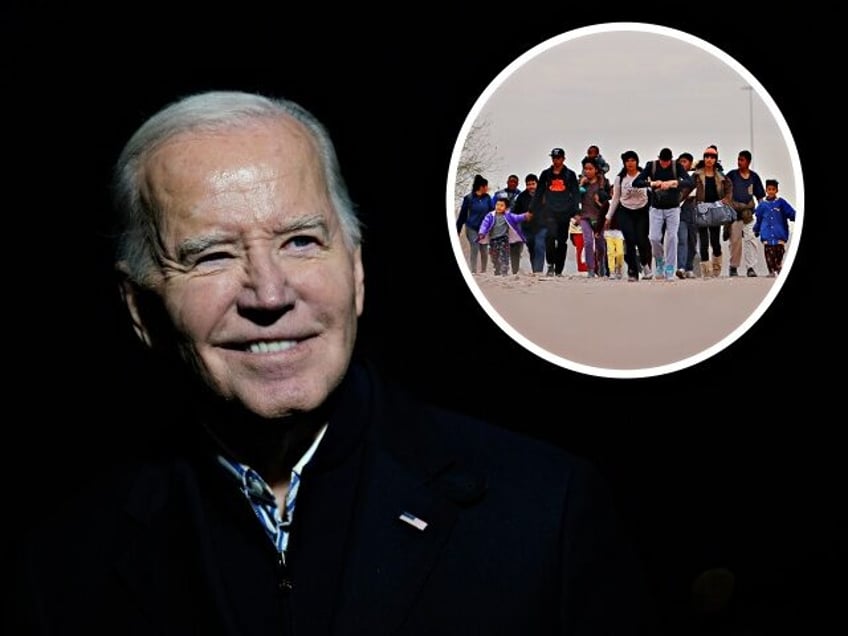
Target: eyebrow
column 195, row 245
column 306, row 222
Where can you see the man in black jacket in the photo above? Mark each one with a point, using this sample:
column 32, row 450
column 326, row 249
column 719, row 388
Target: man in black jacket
column 556, row 201
column 298, row 492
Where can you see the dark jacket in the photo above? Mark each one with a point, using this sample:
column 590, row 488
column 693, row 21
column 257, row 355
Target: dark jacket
column 664, row 199
column 473, row 210
column 520, row 539
column 557, row 195
column 522, row 205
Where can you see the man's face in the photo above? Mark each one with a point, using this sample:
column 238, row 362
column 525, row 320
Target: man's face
column 558, row 161
column 257, row 280
column 512, row 183
column 684, row 161
column 665, row 163
column 531, row 186
column 742, row 163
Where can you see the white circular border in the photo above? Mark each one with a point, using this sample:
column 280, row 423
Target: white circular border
column 565, row 362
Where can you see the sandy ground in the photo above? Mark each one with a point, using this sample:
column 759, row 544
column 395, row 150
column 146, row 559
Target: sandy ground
column 615, row 324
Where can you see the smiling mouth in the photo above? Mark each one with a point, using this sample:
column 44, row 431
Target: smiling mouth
column 270, row 346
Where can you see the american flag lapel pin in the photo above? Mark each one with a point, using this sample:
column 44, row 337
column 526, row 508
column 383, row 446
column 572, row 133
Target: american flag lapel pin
column 412, row 520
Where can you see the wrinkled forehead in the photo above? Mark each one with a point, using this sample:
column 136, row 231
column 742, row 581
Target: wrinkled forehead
column 195, row 164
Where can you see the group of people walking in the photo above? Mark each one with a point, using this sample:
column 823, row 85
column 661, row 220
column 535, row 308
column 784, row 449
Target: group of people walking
column 649, row 220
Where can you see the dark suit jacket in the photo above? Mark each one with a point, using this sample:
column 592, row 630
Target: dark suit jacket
column 520, row 539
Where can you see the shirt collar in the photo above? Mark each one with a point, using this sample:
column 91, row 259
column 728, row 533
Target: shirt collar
column 245, row 474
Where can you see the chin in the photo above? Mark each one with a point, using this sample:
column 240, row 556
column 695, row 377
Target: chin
column 296, row 396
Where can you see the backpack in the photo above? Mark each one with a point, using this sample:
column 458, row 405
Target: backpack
column 654, row 168
column 660, row 195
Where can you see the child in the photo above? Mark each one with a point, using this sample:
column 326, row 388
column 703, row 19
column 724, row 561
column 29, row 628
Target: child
column 772, row 226
column 595, row 153
column 576, row 236
column 499, row 229
column 615, row 248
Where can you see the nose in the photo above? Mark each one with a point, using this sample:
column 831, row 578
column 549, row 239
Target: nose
column 266, row 293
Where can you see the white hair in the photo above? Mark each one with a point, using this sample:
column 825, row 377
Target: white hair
column 216, row 111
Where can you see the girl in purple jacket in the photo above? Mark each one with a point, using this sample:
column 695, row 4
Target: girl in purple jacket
column 499, row 229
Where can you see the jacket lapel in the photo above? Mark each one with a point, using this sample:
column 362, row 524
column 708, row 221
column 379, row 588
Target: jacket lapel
column 412, row 491
column 401, row 527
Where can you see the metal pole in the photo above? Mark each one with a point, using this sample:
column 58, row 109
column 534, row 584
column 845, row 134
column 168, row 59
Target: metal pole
column 750, row 90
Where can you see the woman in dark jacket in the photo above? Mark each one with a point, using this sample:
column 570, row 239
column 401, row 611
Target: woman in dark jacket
column 475, row 206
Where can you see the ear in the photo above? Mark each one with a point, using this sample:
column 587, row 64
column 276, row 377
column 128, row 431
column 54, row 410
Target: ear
column 358, row 280
column 133, row 296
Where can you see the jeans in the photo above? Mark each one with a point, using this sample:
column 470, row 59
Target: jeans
column 471, row 235
column 536, row 248
column 687, row 236
column 666, row 250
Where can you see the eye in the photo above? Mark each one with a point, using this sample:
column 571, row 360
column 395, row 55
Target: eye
column 301, row 241
column 213, row 258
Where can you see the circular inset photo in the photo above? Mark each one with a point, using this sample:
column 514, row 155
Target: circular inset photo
column 625, row 200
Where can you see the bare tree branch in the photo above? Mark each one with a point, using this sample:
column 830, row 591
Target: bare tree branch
column 478, row 156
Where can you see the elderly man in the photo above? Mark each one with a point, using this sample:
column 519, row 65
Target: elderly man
column 305, row 495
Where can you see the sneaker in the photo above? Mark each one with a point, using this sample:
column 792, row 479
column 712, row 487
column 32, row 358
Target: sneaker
column 660, row 271
column 550, row 270
column 669, row 272
column 647, row 274
column 751, row 273
column 733, row 272
column 632, row 278
column 690, row 274
column 680, row 273
column 772, row 275
column 591, row 274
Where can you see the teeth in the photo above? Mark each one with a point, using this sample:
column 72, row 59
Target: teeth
column 272, row 346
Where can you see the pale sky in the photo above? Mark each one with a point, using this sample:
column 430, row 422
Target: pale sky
column 631, row 90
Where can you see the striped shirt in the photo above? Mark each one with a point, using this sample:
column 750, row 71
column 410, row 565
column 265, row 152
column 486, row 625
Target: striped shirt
column 275, row 522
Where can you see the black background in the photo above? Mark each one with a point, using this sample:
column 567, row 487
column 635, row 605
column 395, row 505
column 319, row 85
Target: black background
column 731, row 463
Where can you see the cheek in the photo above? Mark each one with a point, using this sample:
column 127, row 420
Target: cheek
column 195, row 306
column 328, row 289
